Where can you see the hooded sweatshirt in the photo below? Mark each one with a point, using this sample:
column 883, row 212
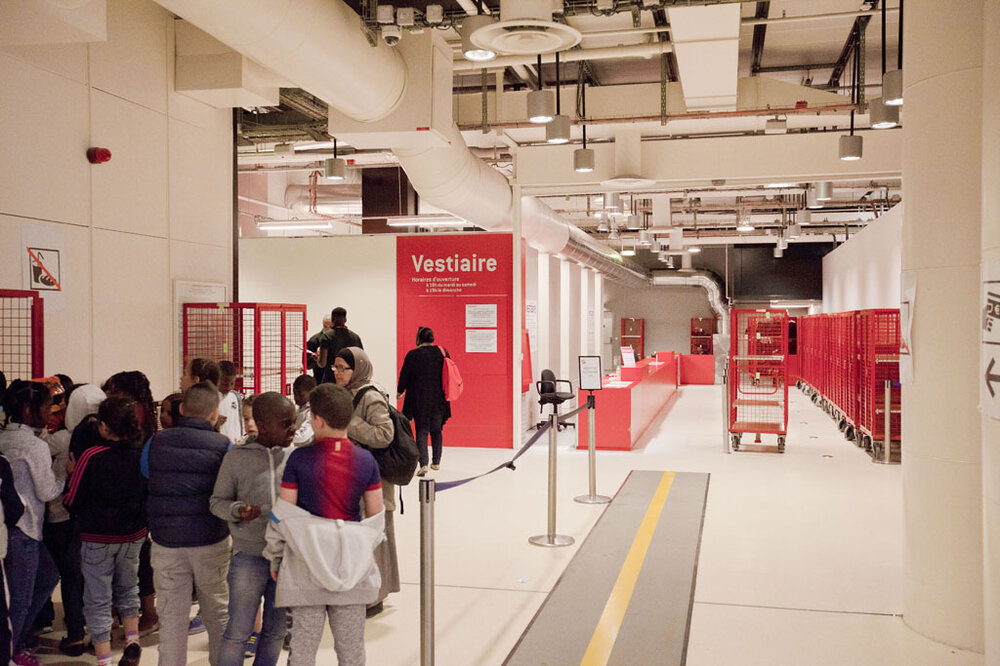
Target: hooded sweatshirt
column 244, row 478
column 83, row 401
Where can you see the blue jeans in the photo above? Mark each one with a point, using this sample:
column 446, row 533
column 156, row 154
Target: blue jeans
column 110, row 573
column 32, row 576
column 249, row 580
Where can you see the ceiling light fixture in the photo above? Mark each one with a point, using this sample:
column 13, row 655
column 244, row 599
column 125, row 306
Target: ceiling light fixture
column 614, row 233
column 779, row 186
column 583, row 158
column 335, row 168
column 557, row 131
column 644, row 238
column 892, row 82
column 613, row 202
column 471, row 51
column 850, row 146
column 882, row 115
column 743, row 224
column 432, row 220
column 602, row 226
column 292, row 225
column 824, row 190
column 628, row 251
column 541, row 103
column 694, row 249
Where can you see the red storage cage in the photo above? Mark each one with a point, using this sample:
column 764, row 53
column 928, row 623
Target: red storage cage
column 22, row 350
column 758, row 388
column 878, row 373
column 843, row 390
column 266, row 341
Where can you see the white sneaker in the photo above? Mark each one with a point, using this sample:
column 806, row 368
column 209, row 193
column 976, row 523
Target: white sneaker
column 422, row 470
column 435, row 466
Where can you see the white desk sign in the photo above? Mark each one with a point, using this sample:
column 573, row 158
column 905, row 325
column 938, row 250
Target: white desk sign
column 590, row 373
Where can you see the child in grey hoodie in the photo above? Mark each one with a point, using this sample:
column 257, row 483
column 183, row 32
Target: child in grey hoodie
column 247, row 480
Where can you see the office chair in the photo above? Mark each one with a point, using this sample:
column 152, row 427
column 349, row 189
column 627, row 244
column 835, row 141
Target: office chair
column 549, row 395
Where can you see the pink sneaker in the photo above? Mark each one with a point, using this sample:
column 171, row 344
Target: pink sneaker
column 25, row 658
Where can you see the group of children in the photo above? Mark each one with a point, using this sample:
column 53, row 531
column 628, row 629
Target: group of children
column 209, row 506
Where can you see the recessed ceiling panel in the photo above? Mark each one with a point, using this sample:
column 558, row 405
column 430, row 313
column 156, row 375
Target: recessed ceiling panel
column 706, row 44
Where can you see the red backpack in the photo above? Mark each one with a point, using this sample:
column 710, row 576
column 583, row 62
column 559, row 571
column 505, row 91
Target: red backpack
column 451, row 378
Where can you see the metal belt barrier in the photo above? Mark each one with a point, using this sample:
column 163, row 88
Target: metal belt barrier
column 429, row 488
column 591, row 497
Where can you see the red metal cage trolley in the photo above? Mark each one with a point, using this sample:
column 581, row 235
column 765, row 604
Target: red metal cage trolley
column 880, row 407
column 22, row 338
column 758, row 373
column 266, row 341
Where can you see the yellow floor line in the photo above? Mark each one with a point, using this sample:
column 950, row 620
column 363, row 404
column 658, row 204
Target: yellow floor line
column 606, row 633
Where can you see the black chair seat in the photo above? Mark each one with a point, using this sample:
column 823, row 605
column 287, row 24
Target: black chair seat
column 548, row 395
column 555, row 398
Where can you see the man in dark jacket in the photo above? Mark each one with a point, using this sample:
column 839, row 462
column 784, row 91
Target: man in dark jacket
column 190, row 544
column 333, row 341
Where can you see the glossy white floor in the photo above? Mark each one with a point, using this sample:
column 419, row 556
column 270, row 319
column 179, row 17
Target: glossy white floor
column 800, row 557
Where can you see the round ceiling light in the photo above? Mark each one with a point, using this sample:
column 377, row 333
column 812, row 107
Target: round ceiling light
column 472, row 51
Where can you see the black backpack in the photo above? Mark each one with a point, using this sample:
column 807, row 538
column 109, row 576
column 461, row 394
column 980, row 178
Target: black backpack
column 398, row 461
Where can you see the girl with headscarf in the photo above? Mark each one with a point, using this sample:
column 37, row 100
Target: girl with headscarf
column 371, row 427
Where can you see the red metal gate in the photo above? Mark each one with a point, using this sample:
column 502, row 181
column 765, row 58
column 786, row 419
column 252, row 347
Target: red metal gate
column 22, row 334
column 266, row 341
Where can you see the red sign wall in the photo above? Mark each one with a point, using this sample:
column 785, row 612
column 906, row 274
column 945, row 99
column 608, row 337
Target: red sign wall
column 462, row 287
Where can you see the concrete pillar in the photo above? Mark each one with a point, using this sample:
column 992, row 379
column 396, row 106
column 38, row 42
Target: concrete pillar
column 544, row 313
column 991, row 252
column 942, row 449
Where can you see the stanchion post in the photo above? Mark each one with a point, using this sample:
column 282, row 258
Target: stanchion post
column 426, row 572
column 725, row 407
column 887, row 453
column 550, row 538
column 592, row 497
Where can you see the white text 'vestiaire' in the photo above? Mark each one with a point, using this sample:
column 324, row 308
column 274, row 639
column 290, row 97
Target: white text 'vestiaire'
column 454, row 264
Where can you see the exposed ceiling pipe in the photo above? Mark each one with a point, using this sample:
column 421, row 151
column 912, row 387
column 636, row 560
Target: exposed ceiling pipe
column 692, row 115
column 306, row 40
column 706, row 281
column 650, row 50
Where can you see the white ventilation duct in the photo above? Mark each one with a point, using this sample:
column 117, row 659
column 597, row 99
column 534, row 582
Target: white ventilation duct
column 320, row 46
column 628, row 161
column 701, row 279
column 317, row 44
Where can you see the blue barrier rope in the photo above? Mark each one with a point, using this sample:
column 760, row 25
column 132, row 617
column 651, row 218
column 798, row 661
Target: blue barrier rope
column 448, row 485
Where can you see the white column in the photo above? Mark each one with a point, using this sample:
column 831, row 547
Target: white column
column 566, row 324
column 942, row 450
column 517, row 301
column 586, row 286
column 991, row 252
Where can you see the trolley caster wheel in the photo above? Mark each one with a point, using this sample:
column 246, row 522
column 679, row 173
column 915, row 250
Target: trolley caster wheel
column 842, row 425
column 868, row 443
column 815, row 398
column 781, row 443
column 849, row 433
column 798, row 385
column 736, row 442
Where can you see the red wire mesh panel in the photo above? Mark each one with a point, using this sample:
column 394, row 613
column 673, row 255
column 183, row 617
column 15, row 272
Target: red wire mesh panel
column 879, row 363
column 843, row 364
column 758, row 388
column 22, row 344
column 266, row 341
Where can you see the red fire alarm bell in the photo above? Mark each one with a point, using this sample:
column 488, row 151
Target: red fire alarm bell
column 98, row 155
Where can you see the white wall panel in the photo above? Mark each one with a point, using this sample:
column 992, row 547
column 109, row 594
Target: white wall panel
column 864, row 272
column 130, row 191
column 132, row 326
column 44, row 173
column 66, row 60
column 355, row 272
column 201, row 176
column 132, row 64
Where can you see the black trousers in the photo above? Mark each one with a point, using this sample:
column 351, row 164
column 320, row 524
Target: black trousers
column 5, row 631
column 63, row 543
column 424, row 427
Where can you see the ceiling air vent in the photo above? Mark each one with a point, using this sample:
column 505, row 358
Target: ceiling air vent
column 526, row 28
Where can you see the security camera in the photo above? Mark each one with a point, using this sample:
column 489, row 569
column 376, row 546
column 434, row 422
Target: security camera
column 392, row 34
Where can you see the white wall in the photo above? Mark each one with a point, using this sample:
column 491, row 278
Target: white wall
column 864, row 272
column 667, row 311
column 159, row 211
column 354, row 272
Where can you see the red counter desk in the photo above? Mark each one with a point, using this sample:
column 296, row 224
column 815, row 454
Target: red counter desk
column 626, row 407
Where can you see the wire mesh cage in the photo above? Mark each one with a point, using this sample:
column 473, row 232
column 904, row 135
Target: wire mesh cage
column 758, row 388
column 879, row 364
column 22, row 346
column 266, row 341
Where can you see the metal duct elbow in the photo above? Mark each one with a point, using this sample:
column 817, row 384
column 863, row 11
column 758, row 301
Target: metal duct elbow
column 706, row 281
column 454, row 179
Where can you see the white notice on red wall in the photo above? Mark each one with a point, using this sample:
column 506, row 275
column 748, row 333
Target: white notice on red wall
column 481, row 315
column 481, row 341
column 989, row 341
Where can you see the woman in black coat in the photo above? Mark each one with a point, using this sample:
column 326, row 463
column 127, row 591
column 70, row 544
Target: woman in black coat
column 420, row 381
